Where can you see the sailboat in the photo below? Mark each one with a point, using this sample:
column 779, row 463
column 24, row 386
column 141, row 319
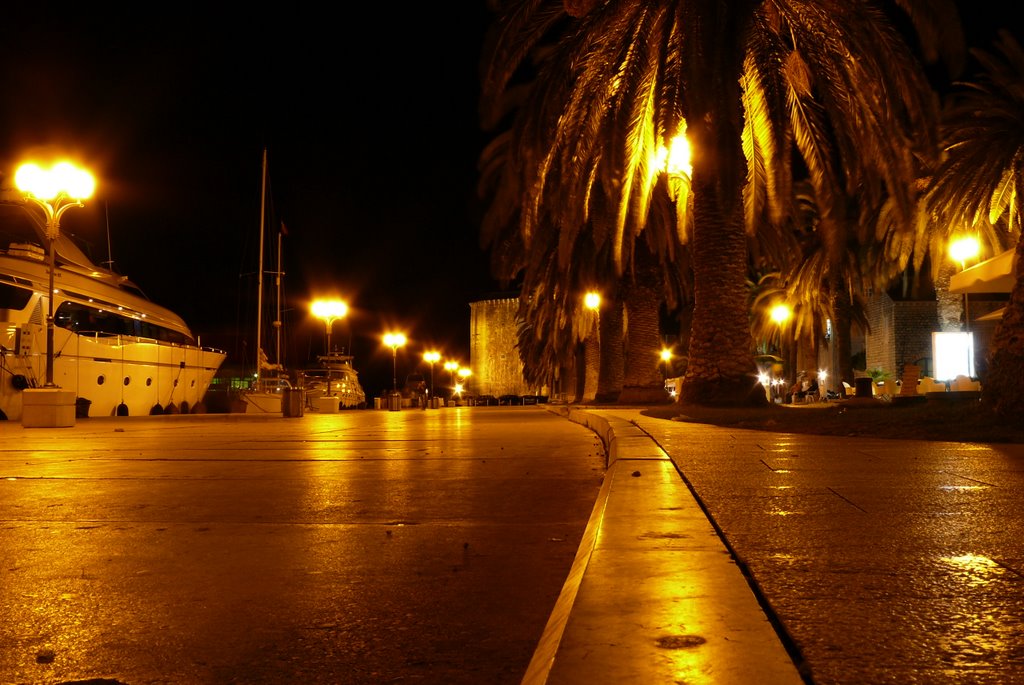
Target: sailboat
column 270, row 389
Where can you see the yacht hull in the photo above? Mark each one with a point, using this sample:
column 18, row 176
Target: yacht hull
column 120, row 353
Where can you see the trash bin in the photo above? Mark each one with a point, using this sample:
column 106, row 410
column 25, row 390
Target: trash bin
column 377, row 401
column 864, row 387
column 292, row 402
column 395, row 401
column 82, row 407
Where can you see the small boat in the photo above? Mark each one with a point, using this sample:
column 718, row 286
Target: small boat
column 271, row 383
column 119, row 352
column 335, row 377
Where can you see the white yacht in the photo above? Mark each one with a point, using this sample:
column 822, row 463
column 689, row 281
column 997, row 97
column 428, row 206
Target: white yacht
column 335, row 377
column 122, row 354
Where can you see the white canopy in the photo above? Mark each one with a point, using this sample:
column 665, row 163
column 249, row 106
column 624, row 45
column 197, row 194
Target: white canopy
column 995, row 275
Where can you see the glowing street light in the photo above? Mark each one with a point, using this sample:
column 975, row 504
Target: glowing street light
column 451, row 366
column 330, row 311
column 675, row 161
column 463, row 374
column 394, row 341
column 963, row 249
column 666, row 357
column 960, row 250
column 780, row 314
column 432, row 357
column 55, row 191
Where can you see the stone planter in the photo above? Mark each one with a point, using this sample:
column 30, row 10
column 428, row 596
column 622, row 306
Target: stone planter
column 47, row 408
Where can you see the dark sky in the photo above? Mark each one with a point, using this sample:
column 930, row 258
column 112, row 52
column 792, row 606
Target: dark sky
column 371, row 128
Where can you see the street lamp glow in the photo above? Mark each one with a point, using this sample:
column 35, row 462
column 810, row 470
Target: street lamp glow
column 780, row 313
column 964, row 248
column 432, row 357
column 329, row 311
column 451, row 366
column 666, row 355
column 677, row 156
column 394, row 341
column 54, row 191
column 61, row 181
column 592, row 300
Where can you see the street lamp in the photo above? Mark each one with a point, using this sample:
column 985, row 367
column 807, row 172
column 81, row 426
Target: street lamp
column 780, row 314
column 464, row 373
column 451, row 366
column 330, row 311
column 960, row 250
column 675, row 160
column 55, row 191
column 432, row 358
column 394, row 341
column 666, row 357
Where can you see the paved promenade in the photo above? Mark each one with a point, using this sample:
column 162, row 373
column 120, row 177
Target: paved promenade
column 883, row 561
column 356, row 548
column 565, row 546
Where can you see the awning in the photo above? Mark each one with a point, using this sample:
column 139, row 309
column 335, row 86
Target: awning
column 994, row 275
column 992, row 316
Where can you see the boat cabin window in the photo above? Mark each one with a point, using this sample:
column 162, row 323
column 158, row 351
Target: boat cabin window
column 13, row 297
column 82, row 319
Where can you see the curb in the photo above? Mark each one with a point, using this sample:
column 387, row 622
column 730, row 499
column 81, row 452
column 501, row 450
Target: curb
column 653, row 594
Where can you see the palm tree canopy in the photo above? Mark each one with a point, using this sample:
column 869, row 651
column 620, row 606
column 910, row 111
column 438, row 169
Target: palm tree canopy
column 754, row 83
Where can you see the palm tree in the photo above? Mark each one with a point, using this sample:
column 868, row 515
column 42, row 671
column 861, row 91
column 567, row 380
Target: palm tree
column 981, row 180
column 749, row 82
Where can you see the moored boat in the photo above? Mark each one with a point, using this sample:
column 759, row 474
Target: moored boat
column 119, row 352
column 269, row 392
column 335, row 377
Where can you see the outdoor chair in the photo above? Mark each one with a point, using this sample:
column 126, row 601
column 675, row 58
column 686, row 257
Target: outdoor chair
column 963, row 383
column 928, row 384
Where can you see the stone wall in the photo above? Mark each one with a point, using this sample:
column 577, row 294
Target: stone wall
column 494, row 358
column 900, row 333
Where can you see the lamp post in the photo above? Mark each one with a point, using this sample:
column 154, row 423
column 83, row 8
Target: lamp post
column 780, row 314
column 394, row 341
column 464, row 373
column 432, row 358
column 451, row 366
column 55, row 191
column 960, row 250
column 329, row 311
column 666, row 357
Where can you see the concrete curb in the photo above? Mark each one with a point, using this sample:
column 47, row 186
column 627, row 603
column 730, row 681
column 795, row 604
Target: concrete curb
column 653, row 594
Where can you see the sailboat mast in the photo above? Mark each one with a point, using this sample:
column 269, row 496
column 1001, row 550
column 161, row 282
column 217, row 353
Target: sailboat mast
column 259, row 268
column 277, row 320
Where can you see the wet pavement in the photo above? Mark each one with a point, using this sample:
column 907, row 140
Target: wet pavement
column 358, row 547
column 886, row 561
column 443, row 546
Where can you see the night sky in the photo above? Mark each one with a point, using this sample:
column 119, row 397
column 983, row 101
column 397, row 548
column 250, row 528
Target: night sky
column 372, row 136
column 370, row 122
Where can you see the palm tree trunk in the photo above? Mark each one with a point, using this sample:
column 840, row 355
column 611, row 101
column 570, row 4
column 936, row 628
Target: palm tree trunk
column 592, row 345
column 641, row 297
column 610, row 377
column 720, row 370
column 950, row 305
